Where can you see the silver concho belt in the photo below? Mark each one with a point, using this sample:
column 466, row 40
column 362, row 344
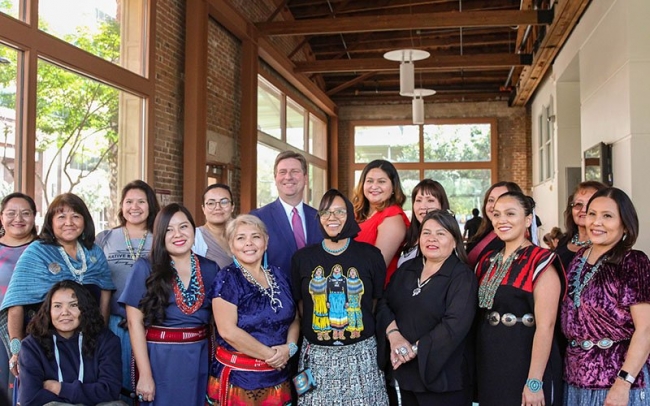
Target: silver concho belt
column 509, row 319
column 603, row 343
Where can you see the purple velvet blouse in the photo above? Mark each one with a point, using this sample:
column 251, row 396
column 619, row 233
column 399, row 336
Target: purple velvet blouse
column 604, row 312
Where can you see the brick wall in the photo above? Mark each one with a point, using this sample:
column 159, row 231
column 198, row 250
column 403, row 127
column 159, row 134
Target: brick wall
column 514, row 149
column 168, row 122
column 224, row 95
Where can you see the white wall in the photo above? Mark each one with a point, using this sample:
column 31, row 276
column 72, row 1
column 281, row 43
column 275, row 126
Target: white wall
column 609, row 100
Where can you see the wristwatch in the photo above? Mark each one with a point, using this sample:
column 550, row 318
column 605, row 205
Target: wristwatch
column 293, row 349
column 627, row 377
column 14, row 346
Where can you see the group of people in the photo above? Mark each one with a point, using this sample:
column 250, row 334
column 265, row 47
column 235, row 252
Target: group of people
column 349, row 303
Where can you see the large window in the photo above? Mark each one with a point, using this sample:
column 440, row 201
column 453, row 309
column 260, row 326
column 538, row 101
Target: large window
column 9, row 152
column 283, row 123
column 99, row 27
column 545, row 143
column 459, row 155
column 82, row 127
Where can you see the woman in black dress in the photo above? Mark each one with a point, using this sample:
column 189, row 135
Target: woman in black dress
column 520, row 286
column 425, row 316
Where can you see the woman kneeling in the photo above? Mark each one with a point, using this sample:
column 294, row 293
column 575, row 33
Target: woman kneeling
column 69, row 356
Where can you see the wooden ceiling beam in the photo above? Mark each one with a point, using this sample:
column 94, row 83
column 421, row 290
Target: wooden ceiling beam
column 320, row 10
column 351, row 83
column 432, row 63
column 340, row 25
column 567, row 15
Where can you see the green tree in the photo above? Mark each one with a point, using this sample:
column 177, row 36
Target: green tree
column 77, row 118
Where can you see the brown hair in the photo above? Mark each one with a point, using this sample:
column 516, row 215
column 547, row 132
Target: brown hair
column 361, row 204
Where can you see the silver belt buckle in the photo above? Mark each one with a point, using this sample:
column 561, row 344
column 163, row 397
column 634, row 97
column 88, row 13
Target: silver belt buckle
column 603, row 344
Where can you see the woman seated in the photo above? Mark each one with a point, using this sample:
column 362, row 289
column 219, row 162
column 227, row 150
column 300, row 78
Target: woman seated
column 425, row 316
column 69, row 357
column 256, row 322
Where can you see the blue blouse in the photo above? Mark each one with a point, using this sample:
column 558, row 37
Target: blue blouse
column 257, row 318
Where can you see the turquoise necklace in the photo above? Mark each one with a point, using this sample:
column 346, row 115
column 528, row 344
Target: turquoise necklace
column 127, row 239
column 493, row 278
column 575, row 240
column 576, row 285
column 337, row 251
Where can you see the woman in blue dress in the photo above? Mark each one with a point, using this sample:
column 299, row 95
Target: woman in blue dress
column 256, row 323
column 167, row 299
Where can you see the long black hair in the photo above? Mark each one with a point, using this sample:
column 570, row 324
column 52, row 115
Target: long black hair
column 159, row 283
column 629, row 220
column 91, row 322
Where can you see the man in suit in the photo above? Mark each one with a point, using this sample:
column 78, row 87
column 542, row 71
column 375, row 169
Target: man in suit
column 289, row 230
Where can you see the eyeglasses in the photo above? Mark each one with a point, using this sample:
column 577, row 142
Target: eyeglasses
column 12, row 214
column 212, row 204
column 577, row 206
column 339, row 213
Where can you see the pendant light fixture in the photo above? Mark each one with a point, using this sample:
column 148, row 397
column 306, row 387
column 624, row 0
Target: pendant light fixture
column 418, row 104
column 406, row 57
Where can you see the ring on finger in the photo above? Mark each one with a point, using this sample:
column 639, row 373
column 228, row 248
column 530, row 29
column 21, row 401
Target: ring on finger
column 403, row 351
column 140, row 397
column 12, row 365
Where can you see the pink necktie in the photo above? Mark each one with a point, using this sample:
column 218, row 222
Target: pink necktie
column 298, row 232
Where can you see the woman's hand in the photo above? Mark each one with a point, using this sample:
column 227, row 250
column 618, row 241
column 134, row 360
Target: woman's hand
column 13, row 365
column 53, row 386
column 280, row 358
column 529, row 398
column 400, row 350
column 146, row 388
column 619, row 394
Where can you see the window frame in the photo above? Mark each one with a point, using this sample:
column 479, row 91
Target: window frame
column 423, row 165
column 288, row 96
column 26, row 37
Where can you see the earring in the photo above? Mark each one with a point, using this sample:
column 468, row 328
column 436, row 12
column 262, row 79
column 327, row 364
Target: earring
column 2, row 231
column 624, row 236
column 265, row 261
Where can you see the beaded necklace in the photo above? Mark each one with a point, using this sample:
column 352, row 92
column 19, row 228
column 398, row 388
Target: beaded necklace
column 336, row 251
column 271, row 292
column 575, row 240
column 78, row 274
column 576, row 285
column 134, row 255
column 493, row 278
column 191, row 299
